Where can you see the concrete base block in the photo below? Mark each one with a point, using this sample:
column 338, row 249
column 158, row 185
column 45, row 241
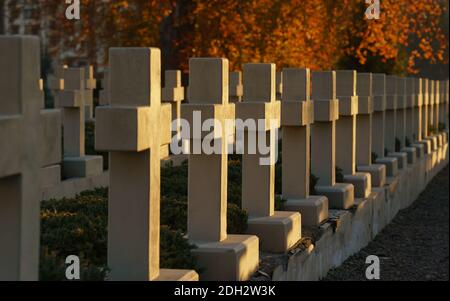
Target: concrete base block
column 362, row 183
column 411, row 154
column 402, row 159
column 50, row 176
column 177, row 275
column 427, row 145
column 377, row 172
column 234, row 259
column 340, row 195
column 80, row 167
column 420, row 149
column 314, row 209
column 391, row 166
column 276, row 233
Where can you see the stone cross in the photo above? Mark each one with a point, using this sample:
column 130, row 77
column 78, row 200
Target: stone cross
column 392, row 96
column 56, row 82
column 323, row 141
column 130, row 129
column 20, row 159
column 277, row 230
column 235, row 86
column 417, row 103
column 346, row 133
column 363, row 127
column 297, row 115
column 222, row 256
column 426, row 101
column 410, row 103
column 408, row 115
column 378, row 124
column 90, row 86
column 401, row 112
column 104, row 93
column 173, row 94
column 71, row 99
column 431, row 117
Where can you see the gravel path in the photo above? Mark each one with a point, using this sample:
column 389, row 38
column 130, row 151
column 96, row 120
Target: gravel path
column 414, row 246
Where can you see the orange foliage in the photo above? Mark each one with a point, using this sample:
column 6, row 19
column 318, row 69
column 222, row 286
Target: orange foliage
column 312, row 33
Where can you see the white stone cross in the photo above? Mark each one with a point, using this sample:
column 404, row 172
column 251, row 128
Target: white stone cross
column 323, row 141
column 20, row 159
column 277, row 230
column 297, row 115
column 130, row 129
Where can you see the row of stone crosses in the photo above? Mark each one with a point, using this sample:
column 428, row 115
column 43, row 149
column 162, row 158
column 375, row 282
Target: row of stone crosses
column 328, row 119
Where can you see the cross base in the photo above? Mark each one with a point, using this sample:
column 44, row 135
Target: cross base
column 277, row 233
column 362, row 183
column 411, row 153
column 340, row 195
column 377, row 173
column 81, row 167
column 420, row 149
column 313, row 209
column 234, row 259
column 402, row 159
column 391, row 166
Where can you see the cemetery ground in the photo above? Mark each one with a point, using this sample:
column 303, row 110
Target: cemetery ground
column 414, row 246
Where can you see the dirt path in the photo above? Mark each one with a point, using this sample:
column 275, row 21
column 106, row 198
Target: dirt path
column 415, row 246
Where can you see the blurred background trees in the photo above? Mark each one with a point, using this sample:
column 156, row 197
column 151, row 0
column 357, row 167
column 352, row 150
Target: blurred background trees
column 411, row 37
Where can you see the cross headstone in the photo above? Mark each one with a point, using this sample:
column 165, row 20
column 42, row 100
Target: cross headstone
column 297, row 115
column 277, row 230
column 222, row 256
column 426, row 101
column 130, row 129
column 431, row 118
column 401, row 112
column 173, row 95
column 235, row 86
column 90, row 86
column 407, row 85
column 346, row 133
column 391, row 133
column 104, row 98
column 363, row 130
column 323, row 141
column 56, row 82
column 20, row 159
column 416, row 115
column 379, row 124
column 71, row 99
